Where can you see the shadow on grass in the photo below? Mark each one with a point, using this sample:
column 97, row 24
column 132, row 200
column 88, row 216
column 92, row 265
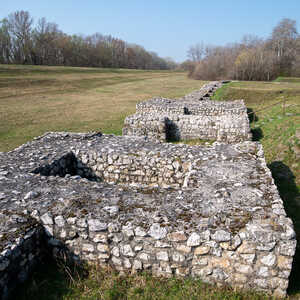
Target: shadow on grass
column 251, row 115
column 52, row 280
column 289, row 193
column 257, row 134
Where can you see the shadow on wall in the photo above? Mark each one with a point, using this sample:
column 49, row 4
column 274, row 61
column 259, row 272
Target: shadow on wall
column 289, row 193
column 257, row 133
column 172, row 131
column 67, row 165
column 53, row 277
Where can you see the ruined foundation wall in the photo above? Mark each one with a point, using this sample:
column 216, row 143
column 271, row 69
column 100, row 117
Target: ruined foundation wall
column 224, row 222
column 153, row 126
column 226, row 128
column 21, row 249
column 220, row 121
column 187, row 118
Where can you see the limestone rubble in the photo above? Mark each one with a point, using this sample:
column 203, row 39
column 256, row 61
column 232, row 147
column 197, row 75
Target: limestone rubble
column 135, row 203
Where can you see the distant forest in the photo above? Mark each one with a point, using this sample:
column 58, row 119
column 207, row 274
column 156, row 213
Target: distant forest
column 253, row 58
column 46, row 44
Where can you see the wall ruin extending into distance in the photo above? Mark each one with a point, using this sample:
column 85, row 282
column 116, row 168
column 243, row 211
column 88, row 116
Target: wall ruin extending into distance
column 136, row 204
column 191, row 117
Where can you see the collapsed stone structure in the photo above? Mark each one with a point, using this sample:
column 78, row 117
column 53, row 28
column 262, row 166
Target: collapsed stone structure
column 190, row 117
column 212, row 212
column 138, row 204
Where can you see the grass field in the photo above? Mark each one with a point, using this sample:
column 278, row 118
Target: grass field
column 38, row 99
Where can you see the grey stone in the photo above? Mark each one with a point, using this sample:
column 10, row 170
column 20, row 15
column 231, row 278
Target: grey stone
column 221, row 196
column 144, row 256
column 221, row 236
column 137, row 265
column 31, row 195
column 288, row 248
column 47, row 219
column 160, row 244
column 115, row 251
column 102, row 248
column 177, row 257
column 139, row 231
column 157, row 232
column 127, row 250
column 59, row 221
column 263, row 272
column 269, row 260
column 113, row 227
column 112, row 210
column 127, row 263
column 194, row 239
column 100, row 237
column 96, row 225
column 88, row 247
column 162, row 255
column 128, row 230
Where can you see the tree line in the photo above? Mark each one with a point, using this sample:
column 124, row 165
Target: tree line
column 45, row 44
column 253, row 58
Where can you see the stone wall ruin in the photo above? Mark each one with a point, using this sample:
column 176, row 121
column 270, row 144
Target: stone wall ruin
column 190, row 117
column 211, row 212
column 135, row 203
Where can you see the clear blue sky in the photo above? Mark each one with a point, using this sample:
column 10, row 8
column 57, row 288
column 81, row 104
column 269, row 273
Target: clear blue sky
column 166, row 27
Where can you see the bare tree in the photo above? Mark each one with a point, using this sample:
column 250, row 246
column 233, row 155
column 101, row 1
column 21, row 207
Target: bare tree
column 284, row 42
column 284, row 36
column 253, row 58
column 45, row 36
column 20, row 26
column 45, row 44
column 196, row 52
column 5, row 42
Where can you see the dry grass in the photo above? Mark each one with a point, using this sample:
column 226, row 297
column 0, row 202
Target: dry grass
column 37, row 99
column 102, row 283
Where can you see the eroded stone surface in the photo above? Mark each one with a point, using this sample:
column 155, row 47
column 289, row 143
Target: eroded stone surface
column 212, row 211
column 191, row 117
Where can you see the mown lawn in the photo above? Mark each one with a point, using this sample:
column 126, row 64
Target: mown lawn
column 37, row 99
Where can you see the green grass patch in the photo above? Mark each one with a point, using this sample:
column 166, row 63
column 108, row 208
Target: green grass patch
column 105, row 284
column 287, row 79
column 219, row 93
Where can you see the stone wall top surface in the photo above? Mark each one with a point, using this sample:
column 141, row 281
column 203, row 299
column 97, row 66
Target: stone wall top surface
column 224, row 221
column 165, row 104
column 227, row 182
